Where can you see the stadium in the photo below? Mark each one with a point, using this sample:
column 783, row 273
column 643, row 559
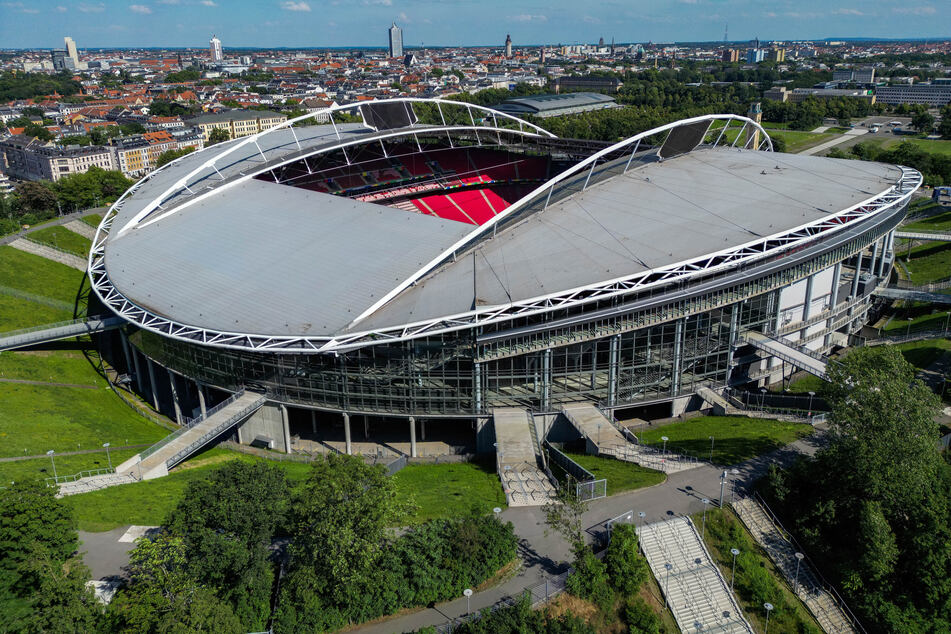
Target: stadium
column 438, row 261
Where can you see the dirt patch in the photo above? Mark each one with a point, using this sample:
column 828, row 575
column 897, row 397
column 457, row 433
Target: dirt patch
column 503, row 574
column 569, row 603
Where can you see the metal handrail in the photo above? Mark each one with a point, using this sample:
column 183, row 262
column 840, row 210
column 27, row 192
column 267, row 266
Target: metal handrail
column 211, row 433
column 88, row 473
column 191, row 422
column 55, row 324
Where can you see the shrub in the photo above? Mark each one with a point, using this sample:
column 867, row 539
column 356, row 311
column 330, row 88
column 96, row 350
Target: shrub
column 640, row 618
column 624, row 562
column 589, row 580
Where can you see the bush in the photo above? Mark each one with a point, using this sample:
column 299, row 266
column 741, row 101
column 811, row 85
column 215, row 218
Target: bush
column 640, row 618
column 589, row 580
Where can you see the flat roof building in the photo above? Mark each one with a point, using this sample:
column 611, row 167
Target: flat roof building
column 555, row 105
column 26, row 158
column 934, row 94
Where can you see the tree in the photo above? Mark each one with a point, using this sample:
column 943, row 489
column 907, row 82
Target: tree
column 61, row 600
column 218, row 135
column 170, row 155
column 35, row 197
column 923, row 121
column 226, row 523
column 626, row 566
column 944, row 128
column 161, row 597
column 92, row 188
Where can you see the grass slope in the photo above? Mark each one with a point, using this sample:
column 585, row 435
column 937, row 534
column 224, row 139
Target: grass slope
column 63, row 239
column 735, row 438
column 921, row 354
column 622, row 476
column 917, row 317
column 928, row 263
column 17, row 313
column 446, row 490
column 92, row 220
column 937, row 222
column 32, row 274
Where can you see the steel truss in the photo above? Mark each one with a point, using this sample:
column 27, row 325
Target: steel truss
column 759, row 249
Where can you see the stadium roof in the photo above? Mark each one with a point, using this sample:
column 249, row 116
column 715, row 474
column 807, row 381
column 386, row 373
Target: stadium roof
column 270, row 259
column 551, row 105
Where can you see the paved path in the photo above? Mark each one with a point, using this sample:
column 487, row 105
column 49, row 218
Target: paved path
column 822, row 147
column 80, row 227
column 49, row 253
column 49, row 384
column 72, row 453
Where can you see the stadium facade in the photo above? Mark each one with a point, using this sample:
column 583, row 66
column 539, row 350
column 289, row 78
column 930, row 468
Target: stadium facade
column 442, row 260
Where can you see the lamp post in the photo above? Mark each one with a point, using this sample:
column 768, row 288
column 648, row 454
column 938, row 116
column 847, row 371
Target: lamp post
column 734, row 552
column 762, row 398
column 641, row 515
column 811, row 394
column 908, row 331
column 599, row 434
column 50, row 454
column 665, row 439
column 735, row 472
column 703, row 530
column 497, row 510
column 468, row 593
column 799, row 558
column 711, row 449
column 723, row 478
column 769, row 608
column 667, row 586
column 108, row 457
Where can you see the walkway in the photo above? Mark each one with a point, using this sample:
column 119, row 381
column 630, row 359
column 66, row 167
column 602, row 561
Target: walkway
column 924, row 235
column 517, row 459
column 828, row 145
column 821, row 603
column 696, row 592
column 913, row 295
column 80, row 227
column 591, row 423
column 50, row 253
column 57, row 331
column 62, row 220
column 800, row 358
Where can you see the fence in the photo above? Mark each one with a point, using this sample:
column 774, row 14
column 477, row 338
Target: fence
column 587, row 486
column 396, row 465
column 537, row 594
column 190, row 422
column 78, row 476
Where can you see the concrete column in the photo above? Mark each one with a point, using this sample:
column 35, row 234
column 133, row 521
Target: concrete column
column 882, row 258
column 477, row 387
column 836, row 280
column 313, row 420
column 139, row 378
column 855, row 280
column 178, row 408
column 734, row 325
column 614, row 356
column 152, row 384
column 125, row 351
column 412, row 437
column 546, row 379
column 346, row 433
column 677, row 365
column 285, row 422
column 422, row 428
column 201, row 399
column 366, row 427
column 874, row 264
column 779, row 309
column 807, row 305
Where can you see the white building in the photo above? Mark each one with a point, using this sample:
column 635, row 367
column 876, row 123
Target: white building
column 215, row 46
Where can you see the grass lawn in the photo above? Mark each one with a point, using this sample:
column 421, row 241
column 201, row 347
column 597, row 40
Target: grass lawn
column 63, row 239
column 921, row 354
column 922, row 317
column 796, row 141
column 622, row 476
column 36, row 418
column 65, row 465
column 937, row 222
column 929, row 262
column 17, row 313
column 735, row 438
column 757, row 579
column 32, row 274
column 447, row 490
column 92, row 220
column 806, row 384
column 889, row 141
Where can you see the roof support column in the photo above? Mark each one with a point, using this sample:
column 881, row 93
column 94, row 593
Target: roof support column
column 677, row 364
column 881, row 259
column 477, row 387
column 874, row 264
column 346, row 434
column 855, row 278
column 201, row 399
column 125, row 351
column 139, row 379
column 313, row 421
column 154, row 390
column 613, row 356
column 731, row 338
column 285, row 423
column 178, row 408
column 546, row 379
column 412, row 437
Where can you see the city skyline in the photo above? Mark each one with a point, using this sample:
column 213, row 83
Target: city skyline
column 299, row 23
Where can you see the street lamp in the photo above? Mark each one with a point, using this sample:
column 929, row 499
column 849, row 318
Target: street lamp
column 735, row 472
column 811, row 395
column 665, row 439
column 667, row 586
column 497, row 510
column 703, row 530
column 108, row 457
column 468, row 593
column 769, row 608
column 799, row 558
column 50, row 454
column 762, row 398
column 734, row 552
column 908, row 332
column 599, row 434
column 642, row 515
column 723, row 478
column 711, row 449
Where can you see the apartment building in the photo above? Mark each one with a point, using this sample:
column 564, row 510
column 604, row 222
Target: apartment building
column 26, row 158
column 238, row 123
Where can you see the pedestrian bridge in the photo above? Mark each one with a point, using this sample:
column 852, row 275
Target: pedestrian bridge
column 800, row 357
column 57, row 331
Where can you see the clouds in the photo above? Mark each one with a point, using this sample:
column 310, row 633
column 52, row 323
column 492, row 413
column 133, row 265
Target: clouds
column 847, row 12
column 140, row 8
column 91, row 8
column 527, row 17
column 915, row 10
column 19, row 7
column 295, row 6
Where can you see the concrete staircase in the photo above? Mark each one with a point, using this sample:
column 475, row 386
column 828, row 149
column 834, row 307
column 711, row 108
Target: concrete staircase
column 49, row 253
column 828, row 612
column 696, row 592
column 721, row 406
column 155, row 461
column 80, row 227
column 591, row 423
column 95, row 483
column 518, row 460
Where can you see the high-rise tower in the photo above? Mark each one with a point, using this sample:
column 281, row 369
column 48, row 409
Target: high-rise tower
column 215, row 46
column 508, row 46
column 71, row 51
column 396, row 41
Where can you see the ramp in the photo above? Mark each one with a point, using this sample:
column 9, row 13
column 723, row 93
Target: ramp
column 155, row 461
column 50, row 253
column 55, row 332
column 696, row 592
column 923, row 235
column 799, row 357
column 913, row 295
column 517, row 459
column 594, row 425
column 720, row 405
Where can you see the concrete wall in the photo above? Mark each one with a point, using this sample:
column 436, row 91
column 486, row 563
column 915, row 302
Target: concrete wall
column 269, row 422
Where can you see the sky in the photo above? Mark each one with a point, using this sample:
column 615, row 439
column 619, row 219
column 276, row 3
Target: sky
column 325, row 23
